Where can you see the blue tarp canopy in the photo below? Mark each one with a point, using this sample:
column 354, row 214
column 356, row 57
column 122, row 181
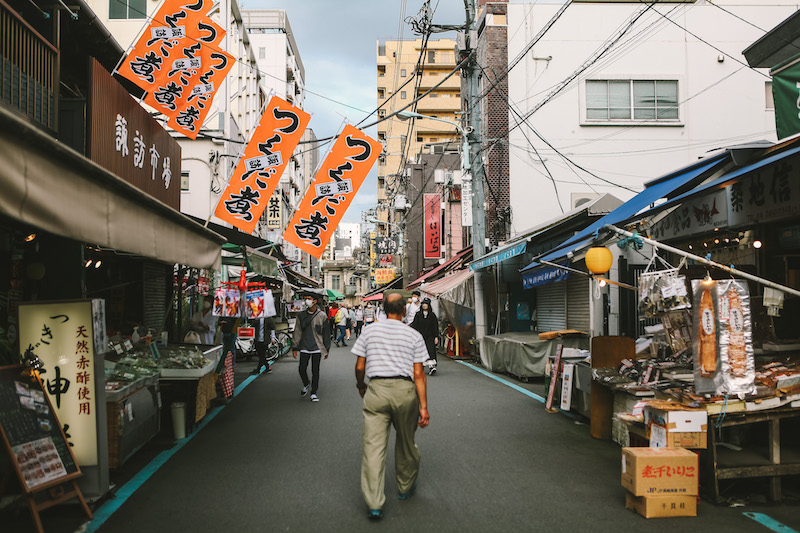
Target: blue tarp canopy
column 654, row 191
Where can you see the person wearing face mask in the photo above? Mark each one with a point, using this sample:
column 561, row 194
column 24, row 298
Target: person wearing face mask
column 204, row 322
column 427, row 324
column 412, row 308
column 312, row 340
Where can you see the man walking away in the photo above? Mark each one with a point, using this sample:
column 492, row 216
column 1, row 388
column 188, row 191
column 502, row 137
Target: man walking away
column 340, row 321
column 312, row 338
column 391, row 355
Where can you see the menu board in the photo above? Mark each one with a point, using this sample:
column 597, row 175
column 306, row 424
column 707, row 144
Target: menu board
column 36, row 443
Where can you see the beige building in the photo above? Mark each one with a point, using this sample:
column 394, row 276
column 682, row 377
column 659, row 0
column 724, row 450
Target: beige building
column 406, row 139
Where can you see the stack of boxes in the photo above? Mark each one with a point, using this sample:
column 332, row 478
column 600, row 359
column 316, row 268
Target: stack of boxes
column 660, row 481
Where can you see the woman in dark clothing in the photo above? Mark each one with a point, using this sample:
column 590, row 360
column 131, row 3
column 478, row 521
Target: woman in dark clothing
column 426, row 323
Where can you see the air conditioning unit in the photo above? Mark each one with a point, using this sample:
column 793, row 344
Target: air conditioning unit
column 577, row 199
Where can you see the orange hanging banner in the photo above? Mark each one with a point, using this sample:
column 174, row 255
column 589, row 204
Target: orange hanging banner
column 261, row 166
column 175, row 25
column 332, row 190
column 200, row 89
column 173, row 85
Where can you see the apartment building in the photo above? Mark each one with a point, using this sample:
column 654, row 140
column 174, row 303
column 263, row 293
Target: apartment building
column 404, row 72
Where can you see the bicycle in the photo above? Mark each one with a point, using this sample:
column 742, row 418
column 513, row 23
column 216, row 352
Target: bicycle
column 281, row 346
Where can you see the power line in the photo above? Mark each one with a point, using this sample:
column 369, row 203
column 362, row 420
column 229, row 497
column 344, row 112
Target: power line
column 726, row 54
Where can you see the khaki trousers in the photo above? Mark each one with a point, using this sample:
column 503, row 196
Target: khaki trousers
column 389, row 402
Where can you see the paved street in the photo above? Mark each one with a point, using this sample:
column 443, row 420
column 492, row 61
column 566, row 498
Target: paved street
column 492, row 460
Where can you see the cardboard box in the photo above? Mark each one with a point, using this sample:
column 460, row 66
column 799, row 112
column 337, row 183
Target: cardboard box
column 661, row 437
column 671, row 425
column 659, row 471
column 662, row 506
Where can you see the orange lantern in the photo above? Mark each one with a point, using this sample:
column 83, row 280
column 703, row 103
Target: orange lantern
column 599, row 259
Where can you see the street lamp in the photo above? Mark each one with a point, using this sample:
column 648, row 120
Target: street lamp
column 405, row 115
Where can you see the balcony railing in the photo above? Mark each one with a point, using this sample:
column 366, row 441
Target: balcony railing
column 29, row 69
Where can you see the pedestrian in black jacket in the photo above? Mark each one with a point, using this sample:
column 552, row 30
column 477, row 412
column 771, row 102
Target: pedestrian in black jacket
column 426, row 323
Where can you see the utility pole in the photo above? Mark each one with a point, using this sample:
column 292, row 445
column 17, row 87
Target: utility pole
column 476, row 170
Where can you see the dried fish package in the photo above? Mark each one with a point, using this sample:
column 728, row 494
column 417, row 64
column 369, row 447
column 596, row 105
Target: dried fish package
column 736, row 337
column 704, row 344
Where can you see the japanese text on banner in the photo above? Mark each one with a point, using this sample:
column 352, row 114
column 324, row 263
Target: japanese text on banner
column 432, row 221
column 176, row 24
column 260, row 168
column 332, row 190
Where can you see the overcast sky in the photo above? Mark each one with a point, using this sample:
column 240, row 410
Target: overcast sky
column 337, row 43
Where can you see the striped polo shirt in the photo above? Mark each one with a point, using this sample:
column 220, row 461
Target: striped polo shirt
column 391, row 348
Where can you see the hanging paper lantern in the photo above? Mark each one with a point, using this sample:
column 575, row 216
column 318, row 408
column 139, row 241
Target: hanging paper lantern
column 599, row 259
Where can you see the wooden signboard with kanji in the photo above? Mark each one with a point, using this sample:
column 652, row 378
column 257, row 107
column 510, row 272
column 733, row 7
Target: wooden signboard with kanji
column 36, row 443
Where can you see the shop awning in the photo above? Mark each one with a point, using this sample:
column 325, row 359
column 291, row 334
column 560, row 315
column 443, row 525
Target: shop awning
column 723, row 181
column 450, row 264
column 519, row 244
column 443, row 285
column 48, row 185
column 301, row 280
column 654, row 191
column 501, row 254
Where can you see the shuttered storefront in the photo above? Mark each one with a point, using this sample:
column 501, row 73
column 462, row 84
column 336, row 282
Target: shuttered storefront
column 155, row 277
column 551, row 312
column 578, row 302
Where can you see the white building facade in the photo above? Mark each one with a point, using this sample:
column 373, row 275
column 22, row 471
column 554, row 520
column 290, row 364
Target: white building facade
column 674, row 86
column 283, row 74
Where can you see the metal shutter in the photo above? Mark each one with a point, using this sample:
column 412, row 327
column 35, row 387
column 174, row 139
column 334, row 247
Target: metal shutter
column 155, row 277
column 551, row 312
column 578, row 301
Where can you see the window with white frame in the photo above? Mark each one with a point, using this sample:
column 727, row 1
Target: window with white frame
column 619, row 100
column 336, row 283
column 127, row 9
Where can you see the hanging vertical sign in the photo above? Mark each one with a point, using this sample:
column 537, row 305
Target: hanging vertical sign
column 466, row 202
column 260, row 168
column 332, row 190
column 432, row 219
column 274, row 218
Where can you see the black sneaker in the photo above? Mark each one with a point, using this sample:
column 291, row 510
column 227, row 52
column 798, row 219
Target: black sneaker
column 255, row 372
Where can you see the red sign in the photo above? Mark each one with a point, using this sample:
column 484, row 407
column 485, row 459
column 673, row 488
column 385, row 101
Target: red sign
column 246, row 333
column 433, row 225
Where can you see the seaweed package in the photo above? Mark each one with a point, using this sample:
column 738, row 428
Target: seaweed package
column 647, row 296
column 704, row 339
column 735, row 337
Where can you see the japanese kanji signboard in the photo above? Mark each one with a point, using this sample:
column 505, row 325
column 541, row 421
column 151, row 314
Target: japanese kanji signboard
column 66, row 336
column 384, row 275
column 126, row 140
column 274, row 219
column 432, row 205
column 260, row 168
column 332, row 191
column 178, row 62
